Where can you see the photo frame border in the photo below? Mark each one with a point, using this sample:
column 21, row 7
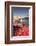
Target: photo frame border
column 7, row 22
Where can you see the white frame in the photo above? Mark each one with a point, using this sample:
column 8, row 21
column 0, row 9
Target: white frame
column 30, row 24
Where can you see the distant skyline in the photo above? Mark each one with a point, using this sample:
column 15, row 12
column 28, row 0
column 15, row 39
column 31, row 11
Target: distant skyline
column 20, row 11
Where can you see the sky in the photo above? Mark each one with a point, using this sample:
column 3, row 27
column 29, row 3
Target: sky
column 20, row 11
